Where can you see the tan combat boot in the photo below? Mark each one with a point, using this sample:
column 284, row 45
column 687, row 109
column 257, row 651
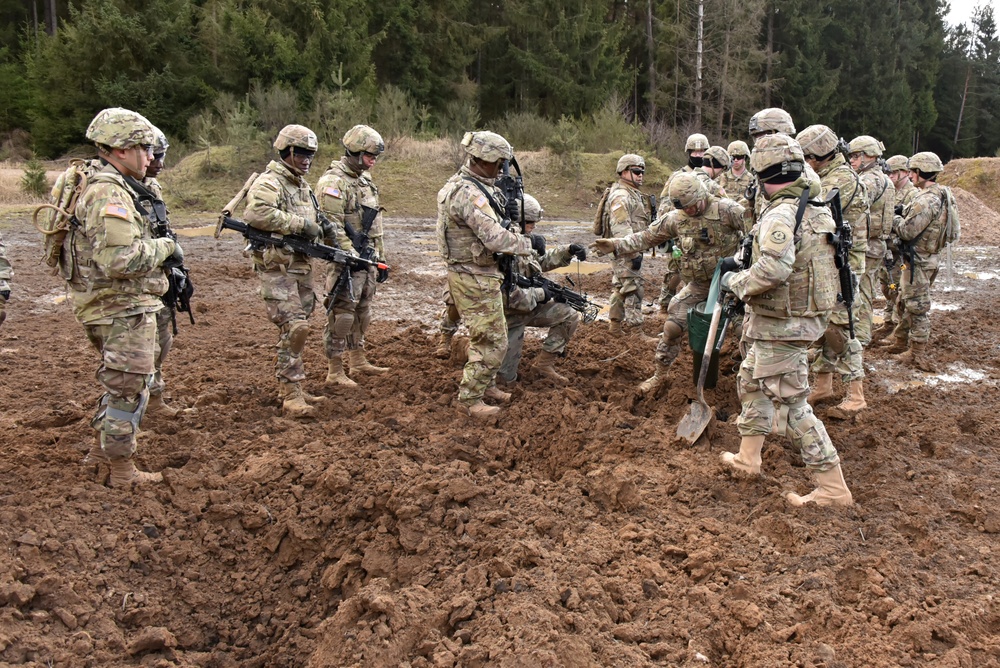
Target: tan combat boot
column 545, row 366
column 831, row 490
column 443, row 350
column 124, row 474
column 496, row 394
column 480, row 410
column 653, row 384
column 883, row 331
column 359, row 364
column 335, row 373
column 615, row 327
column 916, row 357
column 157, row 406
column 852, row 404
column 748, row 459
column 294, row 404
column 822, row 388
column 898, row 345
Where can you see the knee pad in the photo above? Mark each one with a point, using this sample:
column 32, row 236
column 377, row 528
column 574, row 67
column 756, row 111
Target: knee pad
column 342, row 324
column 298, row 330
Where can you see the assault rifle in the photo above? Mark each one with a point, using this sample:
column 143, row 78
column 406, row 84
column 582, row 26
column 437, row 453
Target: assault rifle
column 512, row 188
column 561, row 294
column 842, row 242
column 731, row 306
column 257, row 240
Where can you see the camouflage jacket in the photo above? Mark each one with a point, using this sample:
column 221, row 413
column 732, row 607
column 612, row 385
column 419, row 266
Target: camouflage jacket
column 342, row 192
column 526, row 300
column 713, row 187
column 627, row 211
column 907, row 193
column 6, row 271
column 881, row 202
column 280, row 201
column 469, row 230
column 854, row 204
column 924, row 220
column 125, row 274
column 735, row 186
column 791, row 285
column 702, row 239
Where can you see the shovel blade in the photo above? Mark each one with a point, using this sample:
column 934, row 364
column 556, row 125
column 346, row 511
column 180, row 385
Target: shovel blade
column 694, row 423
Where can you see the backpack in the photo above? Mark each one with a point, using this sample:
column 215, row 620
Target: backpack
column 601, row 227
column 953, row 226
column 59, row 216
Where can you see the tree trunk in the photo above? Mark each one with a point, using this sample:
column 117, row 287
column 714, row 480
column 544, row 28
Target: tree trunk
column 722, row 87
column 50, row 17
column 961, row 109
column 697, row 74
column 770, row 57
column 651, row 55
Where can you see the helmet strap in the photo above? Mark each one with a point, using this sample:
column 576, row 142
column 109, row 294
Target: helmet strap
column 128, row 166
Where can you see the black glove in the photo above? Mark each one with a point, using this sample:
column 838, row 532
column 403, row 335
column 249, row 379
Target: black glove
column 5, row 294
column 547, row 295
column 637, row 263
column 311, row 230
column 578, row 251
column 729, row 264
column 329, row 231
column 898, row 210
column 512, row 209
column 538, row 243
column 383, row 275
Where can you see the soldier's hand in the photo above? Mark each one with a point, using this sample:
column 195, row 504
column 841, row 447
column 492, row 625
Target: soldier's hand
column 383, row 275
column 727, row 279
column 729, row 264
column 578, row 251
column 310, row 230
column 603, row 246
column 898, row 210
column 5, row 294
column 543, row 295
column 538, row 243
column 329, row 231
column 637, row 263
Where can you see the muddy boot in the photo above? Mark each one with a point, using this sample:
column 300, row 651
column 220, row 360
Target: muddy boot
column 496, row 394
column 898, row 345
column 653, row 384
column 643, row 338
column 124, row 474
column 615, row 327
column 360, row 365
column 916, row 357
column 852, row 404
column 831, row 490
column 313, row 398
column 883, row 331
column 335, row 373
column 480, row 410
column 96, row 455
column 443, row 350
column 294, row 403
column 747, row 460
column 822, row 388
column 157, row 406
column 545, row 367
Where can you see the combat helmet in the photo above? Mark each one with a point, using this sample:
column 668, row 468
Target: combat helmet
column 297, row 136
column 363, row 139
column 775, row 155
column 116, row 127
column 866, row 144
column 629, row 160
column 686, row 189
column 718, row 156
column 487, row 146
column 533, row 211
column 897, row 163
column 738, row 148
column 696, row 142
column 817, row 140
column 161, row 145
column 771, row 120
column 926, row 162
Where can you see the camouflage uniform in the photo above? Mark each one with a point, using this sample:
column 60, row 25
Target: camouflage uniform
column 6, row 274
column 280, row 201
column 469, row 233
column 627, row 210
column 882, row 196
column 164, row 318
column 890, row 275
column 735, row 186
column 923, row 219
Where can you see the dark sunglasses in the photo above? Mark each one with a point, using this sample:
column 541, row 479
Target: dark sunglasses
column 637, row 171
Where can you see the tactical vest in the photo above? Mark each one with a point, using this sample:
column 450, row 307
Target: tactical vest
column 457, row 242
column 293, row 198
column 881, row 208
column 931, row 240
column 811, row 289
column 703, row 240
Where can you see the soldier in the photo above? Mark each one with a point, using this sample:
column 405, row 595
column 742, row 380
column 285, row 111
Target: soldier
column 790, row 290
column 121, row 265
column 839, row 352
column 770, row 121
column 922, row 226
column 706, row 229
column 889, row 272
column 281, row 201
column 535, row 307
column 715, row 162
column 626, row 210
column 6, row 273
column 737, row 178
column 470, row 235
column 349, row 197
column 864, row 153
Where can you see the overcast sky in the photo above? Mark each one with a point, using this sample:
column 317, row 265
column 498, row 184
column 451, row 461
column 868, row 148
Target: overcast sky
column 961, row 10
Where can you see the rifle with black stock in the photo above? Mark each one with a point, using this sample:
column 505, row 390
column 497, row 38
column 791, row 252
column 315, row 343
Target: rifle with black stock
column 842, row 242
column 561, row 294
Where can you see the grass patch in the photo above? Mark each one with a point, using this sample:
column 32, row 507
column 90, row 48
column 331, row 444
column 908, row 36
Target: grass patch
column 979, row 176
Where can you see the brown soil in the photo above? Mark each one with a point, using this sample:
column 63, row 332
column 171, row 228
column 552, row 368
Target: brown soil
column 574, row 531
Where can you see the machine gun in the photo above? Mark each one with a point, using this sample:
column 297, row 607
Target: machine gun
column 842, row 242
column 561, row 294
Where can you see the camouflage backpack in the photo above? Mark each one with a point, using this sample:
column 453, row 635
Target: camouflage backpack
column 58, row 217
column 601, row 226
column 953, row 226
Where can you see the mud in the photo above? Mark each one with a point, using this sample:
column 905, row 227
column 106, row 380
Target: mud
column 574, row 531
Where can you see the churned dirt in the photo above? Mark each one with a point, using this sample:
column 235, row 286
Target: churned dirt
column 574, row 531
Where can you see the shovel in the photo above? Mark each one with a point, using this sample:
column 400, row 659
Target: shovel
column 700, row 413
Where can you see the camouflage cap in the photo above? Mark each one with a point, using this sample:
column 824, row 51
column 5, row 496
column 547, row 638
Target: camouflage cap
column 686, row 189
column 696, row 142
column 120, row 128
column 817, row 140
column 362, row 138
column 719, row 155
column 738, row 148
column 771, row 120
column 777, row 150
column 867, row 145
column 160, row 146
column 897, row 163
column 629, row 160
column 487, row 146
column 925, row 161
column 298, row 136
column 533, row 211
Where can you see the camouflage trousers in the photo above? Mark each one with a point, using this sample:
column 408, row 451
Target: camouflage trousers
column 840, row 353
column 690, row 296
column 127, row 346
column 480, row 304
column 889, row 277
column 915, row 301
column 450, row 317
column 777, row 372
column 348, row 320
column 671, row 280
column 164, row 341
column 288, row 296
column 866, row 300
column 626, row 292
column 562, row 322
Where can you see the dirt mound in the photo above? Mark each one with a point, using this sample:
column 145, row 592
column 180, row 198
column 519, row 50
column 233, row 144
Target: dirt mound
column 980, row 223
column 977, row 175
column 575, row 531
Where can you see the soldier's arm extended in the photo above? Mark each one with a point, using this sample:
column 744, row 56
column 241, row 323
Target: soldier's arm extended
column 774, row 263
column 734, row 216
column 263, row 212
column 555, row 258
column 664, row 229
column 921, row 212
column 333, row 202
column 116, row 233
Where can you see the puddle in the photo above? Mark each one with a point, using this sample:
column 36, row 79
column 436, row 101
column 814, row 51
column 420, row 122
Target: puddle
column 583, row 267
column 202, row 231
column 955, row 375
column 945, row 307
column 981, row 275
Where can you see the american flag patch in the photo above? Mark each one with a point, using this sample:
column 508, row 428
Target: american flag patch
column 116, row 210
column 480, row 201
column 332, row 192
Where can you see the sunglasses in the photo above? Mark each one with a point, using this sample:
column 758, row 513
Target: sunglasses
column 637, row 171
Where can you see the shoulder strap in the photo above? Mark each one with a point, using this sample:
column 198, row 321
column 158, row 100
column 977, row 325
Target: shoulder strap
column 497, row 209
column 800, row 212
